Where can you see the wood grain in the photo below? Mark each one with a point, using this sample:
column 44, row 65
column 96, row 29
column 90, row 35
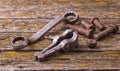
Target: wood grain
column 25, row 17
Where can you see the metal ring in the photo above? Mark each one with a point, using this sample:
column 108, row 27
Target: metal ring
column 19, row 46
column 72, row 21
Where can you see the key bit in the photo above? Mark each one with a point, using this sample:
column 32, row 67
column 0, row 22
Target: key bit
column 40, row 34
column 85, row 32
column 70, row 43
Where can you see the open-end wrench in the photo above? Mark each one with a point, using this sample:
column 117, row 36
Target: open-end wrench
column 70, row 43
column 40, row 34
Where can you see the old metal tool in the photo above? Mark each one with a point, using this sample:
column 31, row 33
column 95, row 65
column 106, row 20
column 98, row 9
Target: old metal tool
column 91, row 43
column 98, row 24
column 40, row 34
column 83, row 31
column 113, row 28
column 88, row 25
column 68, row 39
column 58, row 39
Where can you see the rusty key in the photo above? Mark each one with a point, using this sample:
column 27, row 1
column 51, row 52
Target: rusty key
column 113, row 28
column 70, row 43
column 85, row 32
column 98, row 24
column 40, row 34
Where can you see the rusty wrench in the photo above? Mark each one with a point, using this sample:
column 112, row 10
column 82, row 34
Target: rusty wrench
column 58, row 39
column 70, row 43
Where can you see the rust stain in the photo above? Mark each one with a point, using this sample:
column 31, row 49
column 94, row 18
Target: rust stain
column 16, row 55
column 6, row 21
column 58, row 65
column 114, row 54
column 84, row 65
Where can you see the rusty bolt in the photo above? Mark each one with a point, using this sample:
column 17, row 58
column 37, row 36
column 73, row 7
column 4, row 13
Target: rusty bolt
column 111, row 29
column 83, row 31
column 91, row 43
column 87, row 25
column 98, row 24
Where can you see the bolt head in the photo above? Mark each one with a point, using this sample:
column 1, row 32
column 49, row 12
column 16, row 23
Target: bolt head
column 93, row 19
column 92, row 43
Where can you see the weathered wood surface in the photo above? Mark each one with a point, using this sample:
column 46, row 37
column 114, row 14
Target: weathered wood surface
column 25, row 17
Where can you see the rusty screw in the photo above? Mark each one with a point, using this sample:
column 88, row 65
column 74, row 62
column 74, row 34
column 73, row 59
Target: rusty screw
column 98, row 24
column 87, row 25
column 113, row 28
column 85, row 32
column 92, row 43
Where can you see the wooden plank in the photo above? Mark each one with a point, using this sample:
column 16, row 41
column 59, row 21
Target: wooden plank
column 83, row 60
column 59, row 2
column 106, row 44
column 33, row 13
column 86, row 9
column 29, row 55
column 61, row 65
column 7, row 36
column 33, row 25
column 24, row 18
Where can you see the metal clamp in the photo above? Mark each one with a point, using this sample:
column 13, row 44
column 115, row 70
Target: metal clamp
column 68, row 40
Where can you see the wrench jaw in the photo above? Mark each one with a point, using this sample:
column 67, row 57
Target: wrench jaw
column 71, row 45
column 24, row 43
column 73, row 42
column 73, row 20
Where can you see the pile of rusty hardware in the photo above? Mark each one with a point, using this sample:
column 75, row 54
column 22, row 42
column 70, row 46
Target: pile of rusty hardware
column 68, row 40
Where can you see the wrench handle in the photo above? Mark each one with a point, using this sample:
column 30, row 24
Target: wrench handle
column 38, row 35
